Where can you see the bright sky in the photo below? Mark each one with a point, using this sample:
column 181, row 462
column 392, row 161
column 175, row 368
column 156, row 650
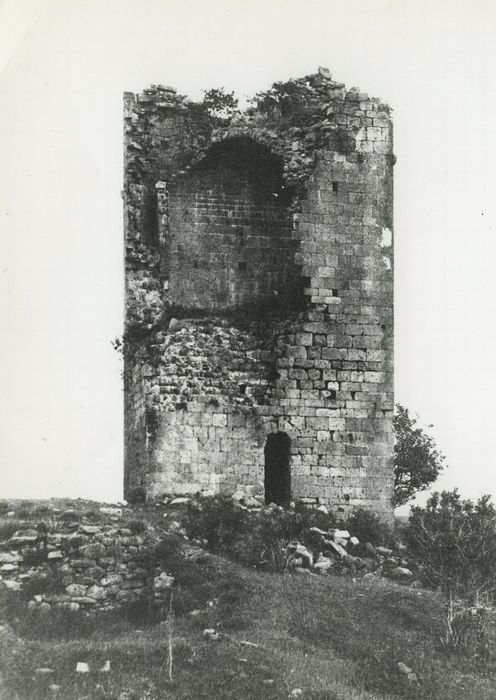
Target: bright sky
column 64, row 65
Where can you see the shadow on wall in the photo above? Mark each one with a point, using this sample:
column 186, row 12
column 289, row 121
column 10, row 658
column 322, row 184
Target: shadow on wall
column 230, row 230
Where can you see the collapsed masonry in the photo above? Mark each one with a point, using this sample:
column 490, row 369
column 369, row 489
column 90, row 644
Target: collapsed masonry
column 258, row 346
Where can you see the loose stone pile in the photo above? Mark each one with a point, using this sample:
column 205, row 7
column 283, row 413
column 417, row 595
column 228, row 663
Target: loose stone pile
column 336, row 551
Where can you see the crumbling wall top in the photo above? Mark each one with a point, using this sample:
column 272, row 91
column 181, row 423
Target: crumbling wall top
column 294, row 119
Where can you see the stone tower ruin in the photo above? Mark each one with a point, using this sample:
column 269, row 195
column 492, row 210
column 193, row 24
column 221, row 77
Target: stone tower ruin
column 258, row 342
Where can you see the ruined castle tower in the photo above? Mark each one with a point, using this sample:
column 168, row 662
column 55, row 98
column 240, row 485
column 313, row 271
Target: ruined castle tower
column 258, row 342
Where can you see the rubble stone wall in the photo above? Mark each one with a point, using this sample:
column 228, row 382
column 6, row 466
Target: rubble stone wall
column 80, row 563
column 259, row 283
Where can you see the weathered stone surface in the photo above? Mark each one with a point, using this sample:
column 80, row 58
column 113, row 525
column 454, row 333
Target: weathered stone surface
column 93, row 551
column 400, row 572
column 128, row 596
column 251, row 502
column 83, row 600
column 69, row 515
column 10, row 557
column 211, row 634
column 295, row 226
column 97, row 592
column 55, row 555
column 12, row 585
column 336, row 548
column 318, row 531
column 7, row 568
column 407, row 671
column 303, row 553
column 89, row 529
column 24, row 537
column 111, row 510
column 83, row 563
column 370, row 550
column 76, row 589
column 163, row 581
column 112, row 580
column 323, row 563
column 43, row 608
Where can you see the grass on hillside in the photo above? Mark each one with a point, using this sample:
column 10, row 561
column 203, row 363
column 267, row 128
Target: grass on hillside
column 333, row 637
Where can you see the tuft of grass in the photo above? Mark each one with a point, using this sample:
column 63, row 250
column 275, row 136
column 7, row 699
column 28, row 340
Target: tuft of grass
column 7, row 528
column 137, row 527
column 368, row 527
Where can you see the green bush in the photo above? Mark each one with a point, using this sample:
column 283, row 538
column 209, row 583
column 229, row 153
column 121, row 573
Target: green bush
column 8, row 528
column 41, row 511
column 254, row 538
column 368, row 527
column 221, row 105
column 168, row 547
column 218, row 520
column 262, row 538
column 455, row 542
column 34, row 557
column 23, row 512
column 137, row 527
column 47, row 581
column 417, row 461
column 266, row 543
column 248, row 537
column 12, row 605
column 310, row 517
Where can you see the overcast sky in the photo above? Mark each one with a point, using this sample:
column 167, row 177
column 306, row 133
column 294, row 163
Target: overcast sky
column 64, row 65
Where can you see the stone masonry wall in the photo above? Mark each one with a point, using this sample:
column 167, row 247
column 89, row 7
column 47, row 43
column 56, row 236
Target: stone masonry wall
column 91, row 561
column 229, row 241
column 259, row 294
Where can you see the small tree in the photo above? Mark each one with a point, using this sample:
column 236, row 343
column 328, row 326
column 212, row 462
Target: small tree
column 455, row 542
column 417, row 461
column 221, row 105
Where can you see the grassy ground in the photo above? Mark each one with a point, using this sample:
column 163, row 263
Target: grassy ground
column 332, row 637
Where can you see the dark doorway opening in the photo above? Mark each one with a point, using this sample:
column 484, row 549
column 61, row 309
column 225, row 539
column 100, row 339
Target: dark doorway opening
column 277, row 470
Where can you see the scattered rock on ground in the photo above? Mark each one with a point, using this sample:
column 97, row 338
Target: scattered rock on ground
column 211, row 634
column 82, row 667
column 408, row 672
column 401, row 572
